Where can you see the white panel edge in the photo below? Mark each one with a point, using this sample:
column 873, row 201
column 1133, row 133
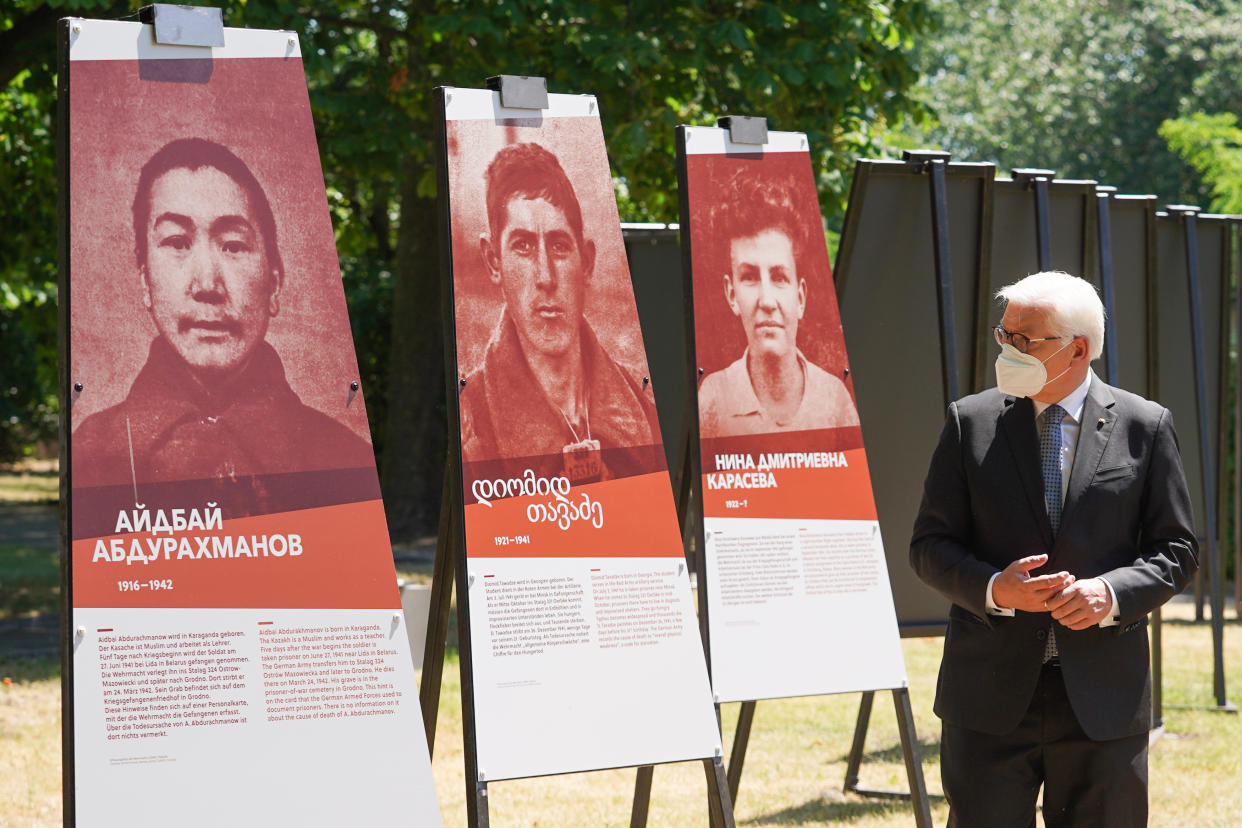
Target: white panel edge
column 478, row 104
column 124, row 40
column 704, row 140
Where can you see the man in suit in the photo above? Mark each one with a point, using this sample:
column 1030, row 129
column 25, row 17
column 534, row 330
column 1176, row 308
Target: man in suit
column 1055, row 517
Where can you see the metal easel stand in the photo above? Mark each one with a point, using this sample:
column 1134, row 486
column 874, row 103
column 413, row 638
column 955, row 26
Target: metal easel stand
column 917, row 794
column 1188, row 215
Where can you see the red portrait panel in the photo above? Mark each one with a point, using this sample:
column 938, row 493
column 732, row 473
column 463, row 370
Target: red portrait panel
column 210, row 348
column 778, row 427
column 768, row 337
column 553, row 374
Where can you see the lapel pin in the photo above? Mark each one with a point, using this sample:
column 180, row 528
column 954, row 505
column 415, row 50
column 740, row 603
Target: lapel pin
column 1101, row 423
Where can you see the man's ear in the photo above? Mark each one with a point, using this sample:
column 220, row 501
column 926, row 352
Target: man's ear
column 491, row 258
column 730, row 295
column 588, row 259
column 1082, row 348
column 801, row 298
column 144, row 283
column 273, row 300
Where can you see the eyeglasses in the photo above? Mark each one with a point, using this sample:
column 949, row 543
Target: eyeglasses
column 1020, row 341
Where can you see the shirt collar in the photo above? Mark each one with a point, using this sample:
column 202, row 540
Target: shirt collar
column 742, row 390
column 1071, row 402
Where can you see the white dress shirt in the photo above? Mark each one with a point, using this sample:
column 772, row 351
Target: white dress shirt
column 1071, row 425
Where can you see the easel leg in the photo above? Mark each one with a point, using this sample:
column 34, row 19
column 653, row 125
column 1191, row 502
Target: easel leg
column 741, row 738
column 642, row 797
column 476, row 809
column 685, row 516
column 860, row 739
column 720, row 804
column 438, row 616
column 476, row 785
column 1157, row 670
column 910, row 750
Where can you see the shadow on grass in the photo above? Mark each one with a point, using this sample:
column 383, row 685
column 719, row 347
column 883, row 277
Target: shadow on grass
column 29, row 581
column 10, row 469
column 29, row 487
column 928, row 749
column 21, row 670
column 825, row 812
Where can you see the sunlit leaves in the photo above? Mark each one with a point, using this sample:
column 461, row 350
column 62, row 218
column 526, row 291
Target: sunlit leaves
column 1081, row 86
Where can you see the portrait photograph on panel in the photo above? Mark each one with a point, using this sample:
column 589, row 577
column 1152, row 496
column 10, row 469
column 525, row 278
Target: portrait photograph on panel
column 209, row 328
column 232, row 617
column 577, row 605
column 790, row 539
column 548, row 339
column 767, row 329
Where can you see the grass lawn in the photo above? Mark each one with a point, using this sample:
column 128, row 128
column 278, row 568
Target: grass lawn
column 30, row 482
column 794, row 769
column 29, row 580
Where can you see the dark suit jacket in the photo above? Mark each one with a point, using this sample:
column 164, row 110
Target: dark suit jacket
column 1127, row 516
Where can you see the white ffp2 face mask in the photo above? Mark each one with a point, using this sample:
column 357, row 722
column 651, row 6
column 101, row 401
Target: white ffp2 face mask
column 1024, row 375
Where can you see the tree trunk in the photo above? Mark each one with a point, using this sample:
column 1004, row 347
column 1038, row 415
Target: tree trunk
column 413, row 458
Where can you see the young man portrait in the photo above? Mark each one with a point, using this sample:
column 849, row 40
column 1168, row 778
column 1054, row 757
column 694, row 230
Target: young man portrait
column 547, row 392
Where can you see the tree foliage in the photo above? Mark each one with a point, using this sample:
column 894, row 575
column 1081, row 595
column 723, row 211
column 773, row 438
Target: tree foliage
column 1082, row 86
column 28, row 400
column 839, row 71
column 1212, row 144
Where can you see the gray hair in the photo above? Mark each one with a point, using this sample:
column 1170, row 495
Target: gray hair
column 1071, row 305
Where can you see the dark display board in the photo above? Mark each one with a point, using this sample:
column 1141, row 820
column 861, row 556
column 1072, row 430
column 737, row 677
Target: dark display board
column 1214, row 236
column 655, row 271
column 1175, row 386
column 1071, row 241
column 1133, row 225
column 886, row 287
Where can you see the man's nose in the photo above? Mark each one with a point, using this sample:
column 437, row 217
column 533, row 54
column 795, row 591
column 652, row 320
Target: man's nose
column 545, row 270
column 206, row 274
column 767, row 293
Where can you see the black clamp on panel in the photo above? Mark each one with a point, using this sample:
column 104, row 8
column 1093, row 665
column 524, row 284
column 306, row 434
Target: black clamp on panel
column 922, row 157
column 520, row 91
column 745, row 129
column 184, row 25
column 1028, row 175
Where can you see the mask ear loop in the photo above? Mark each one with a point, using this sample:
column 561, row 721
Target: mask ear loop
column 1050, row 356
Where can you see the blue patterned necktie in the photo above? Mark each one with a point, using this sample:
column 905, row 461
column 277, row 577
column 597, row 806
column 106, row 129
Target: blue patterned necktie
column 1050, row 461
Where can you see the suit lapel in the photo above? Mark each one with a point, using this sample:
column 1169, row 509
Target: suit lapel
column 1018, row 424
column 1094, row 430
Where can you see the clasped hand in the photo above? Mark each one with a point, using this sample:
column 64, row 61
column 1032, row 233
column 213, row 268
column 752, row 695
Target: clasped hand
column 1076, row 604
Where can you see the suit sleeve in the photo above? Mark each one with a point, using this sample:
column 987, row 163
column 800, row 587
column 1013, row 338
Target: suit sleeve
column 940, row 549
column 1168, row 553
